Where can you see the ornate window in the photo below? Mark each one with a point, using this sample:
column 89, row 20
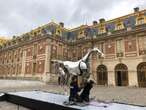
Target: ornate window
column 102, row 30
column 58, row 32
column 101, row 46
column 119, row 45
column 29, row 52
column 79, row 52
column 119, row 25
column 130, row 44
column 41, row 48
column 65, row 53
column 110, row 47
column 54, row 51
column 74, row 53
column 36, row 32
column 81, row 34
column 28, row 68
column 140, row 21
column 40, row 66
column 119, row 48
column 142, row 45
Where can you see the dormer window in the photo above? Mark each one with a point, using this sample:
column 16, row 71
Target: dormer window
column 58, row 32
column 119, row 26
column 81, row 34
column 101, row 30
column 140, row 21
column 35, row 33
column 32, row 33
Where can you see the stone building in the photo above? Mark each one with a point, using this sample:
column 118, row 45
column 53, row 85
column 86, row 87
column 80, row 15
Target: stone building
column 122, row 40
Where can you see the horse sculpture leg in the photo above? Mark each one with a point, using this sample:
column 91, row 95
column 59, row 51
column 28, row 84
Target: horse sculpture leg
column 66, row 79
column 63, row 79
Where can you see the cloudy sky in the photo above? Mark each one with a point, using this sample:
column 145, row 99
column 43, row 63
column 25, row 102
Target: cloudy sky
column 20, row 16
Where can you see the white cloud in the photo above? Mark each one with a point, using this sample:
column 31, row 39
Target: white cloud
column 19, row 16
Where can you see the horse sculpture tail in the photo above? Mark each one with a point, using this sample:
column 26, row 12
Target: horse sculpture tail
column 63, row 76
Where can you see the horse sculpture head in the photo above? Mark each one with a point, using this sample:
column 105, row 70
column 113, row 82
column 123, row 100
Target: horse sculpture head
column 91, row 51
column 98, row 51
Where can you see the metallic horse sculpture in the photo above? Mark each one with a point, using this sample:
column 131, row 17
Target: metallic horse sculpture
column 77, row 68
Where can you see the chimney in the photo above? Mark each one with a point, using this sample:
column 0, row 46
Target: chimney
column 136, row 9
column 94, row 23
column 61, row 24
column 102, row 20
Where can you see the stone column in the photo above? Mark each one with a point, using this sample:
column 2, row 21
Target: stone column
column 46, row 75
column 111, row 78
column 132, row 76
column 23, row 63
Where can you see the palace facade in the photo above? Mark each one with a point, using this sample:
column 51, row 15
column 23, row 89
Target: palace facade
column 122, row 40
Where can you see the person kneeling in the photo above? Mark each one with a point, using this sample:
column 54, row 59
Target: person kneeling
column 84, row 96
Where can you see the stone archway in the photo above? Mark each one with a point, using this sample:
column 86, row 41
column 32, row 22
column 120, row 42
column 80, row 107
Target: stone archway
column 102, row 78
column 121, row 75
column 141, row 74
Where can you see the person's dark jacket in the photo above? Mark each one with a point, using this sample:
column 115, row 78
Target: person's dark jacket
column 74, row 89
column 86, row 91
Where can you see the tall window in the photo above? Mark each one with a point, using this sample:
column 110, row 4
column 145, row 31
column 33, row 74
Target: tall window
column 80, row 52
column 101, row 46
column 130, row 44
column 119, row 45
column 54, row 51
column 142, row 45
column 34, row 67
column 65, row 53
column 35, row 49
column 110, row 46
column 60, row 51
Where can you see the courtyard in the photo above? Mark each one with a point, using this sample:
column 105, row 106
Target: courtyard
column 128, row 95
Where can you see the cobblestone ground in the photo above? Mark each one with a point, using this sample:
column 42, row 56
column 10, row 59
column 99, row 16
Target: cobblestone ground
column 130, row 95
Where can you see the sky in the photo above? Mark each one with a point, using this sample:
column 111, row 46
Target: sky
column 20, row 16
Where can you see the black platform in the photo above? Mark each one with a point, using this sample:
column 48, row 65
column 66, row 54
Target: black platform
column 39, row 100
